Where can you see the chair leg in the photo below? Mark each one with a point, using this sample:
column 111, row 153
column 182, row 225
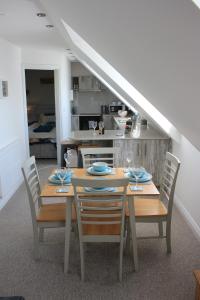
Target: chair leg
column 82, row 261
column 41, row 234
column 36, row 243
column 75, row 226
column 120, row 259
column 168, row 237
column 128, row 237
column 160, row 229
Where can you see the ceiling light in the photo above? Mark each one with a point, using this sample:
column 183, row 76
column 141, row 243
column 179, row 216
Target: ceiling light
column 49, row 26
column 41, row 15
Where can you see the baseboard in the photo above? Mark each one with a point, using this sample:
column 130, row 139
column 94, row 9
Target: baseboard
column 8, row 196
column 187, row 216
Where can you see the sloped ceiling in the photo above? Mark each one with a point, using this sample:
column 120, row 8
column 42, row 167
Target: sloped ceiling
column 154, row 44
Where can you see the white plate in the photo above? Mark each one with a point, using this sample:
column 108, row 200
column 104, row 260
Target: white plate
column 91, row 171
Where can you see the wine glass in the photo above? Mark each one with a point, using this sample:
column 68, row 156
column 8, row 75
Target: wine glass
column 61, row 174
column 94, row 126
column 67, row 157
column 136, row 174
column 128, row 160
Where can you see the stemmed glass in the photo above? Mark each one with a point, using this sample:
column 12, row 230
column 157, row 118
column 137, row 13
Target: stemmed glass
column 94, row 126
column 67, row 157
column 136, row 172
column 61, row 174
column 129, row 160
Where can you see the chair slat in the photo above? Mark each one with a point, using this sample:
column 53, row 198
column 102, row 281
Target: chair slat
column 106, row 154
column 166, row 173
column 32, row 173
column 101, row 208
column 85, row 215
column 101, row 222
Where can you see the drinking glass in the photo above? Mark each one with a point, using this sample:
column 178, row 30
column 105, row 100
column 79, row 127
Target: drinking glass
column 67, row 157
column 128, row 160
column 136, row 175
column 94, row 126
column 61, row 173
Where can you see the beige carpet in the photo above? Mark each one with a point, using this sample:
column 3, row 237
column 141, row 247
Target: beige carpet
column 160, row 276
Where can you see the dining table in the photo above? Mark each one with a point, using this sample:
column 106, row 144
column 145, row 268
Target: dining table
column 147, row 189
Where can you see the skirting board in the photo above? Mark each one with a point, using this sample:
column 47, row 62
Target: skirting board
column 190, row 221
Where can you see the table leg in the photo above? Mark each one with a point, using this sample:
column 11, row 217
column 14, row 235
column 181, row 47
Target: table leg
column 67, row 233
column 133, row 230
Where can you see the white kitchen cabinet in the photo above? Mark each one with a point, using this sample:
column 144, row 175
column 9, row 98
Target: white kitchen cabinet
column 88, row 83
column 149, row 153
column 75, row 123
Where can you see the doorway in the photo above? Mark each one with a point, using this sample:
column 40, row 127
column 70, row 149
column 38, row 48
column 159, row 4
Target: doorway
column 41, row 114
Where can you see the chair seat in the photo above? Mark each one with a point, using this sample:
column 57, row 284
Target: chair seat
column 54, row 213
column 148, row 207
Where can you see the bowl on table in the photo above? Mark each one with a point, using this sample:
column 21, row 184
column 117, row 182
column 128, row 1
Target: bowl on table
column 100, row 166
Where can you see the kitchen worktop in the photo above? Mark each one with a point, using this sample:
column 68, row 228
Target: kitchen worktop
column 77, row 115
column 149, row 133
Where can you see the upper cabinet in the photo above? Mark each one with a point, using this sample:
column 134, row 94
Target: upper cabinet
column 86, row 83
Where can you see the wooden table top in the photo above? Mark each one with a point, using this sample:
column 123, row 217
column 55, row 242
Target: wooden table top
column 51, row 190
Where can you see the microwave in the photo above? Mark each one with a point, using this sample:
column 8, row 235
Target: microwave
column 115, row 108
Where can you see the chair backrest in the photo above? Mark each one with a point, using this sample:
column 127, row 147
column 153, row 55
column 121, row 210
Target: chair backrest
column 99, row 207
column 105, row 154
column 32, row 181
column 168, row 182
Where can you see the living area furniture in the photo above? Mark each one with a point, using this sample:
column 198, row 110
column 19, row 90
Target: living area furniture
column 100, row 216
column 51, row 191
column 151, row 210
column 43, row 215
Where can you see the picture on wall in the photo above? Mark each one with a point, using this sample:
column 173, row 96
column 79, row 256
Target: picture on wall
column 3, row 88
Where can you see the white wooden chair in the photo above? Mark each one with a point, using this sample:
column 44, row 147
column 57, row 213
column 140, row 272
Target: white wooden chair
column 43, row 215
column 105, row 154
column 100, row 215
column 151, row 210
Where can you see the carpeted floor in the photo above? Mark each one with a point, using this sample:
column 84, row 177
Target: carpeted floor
column 160, row 276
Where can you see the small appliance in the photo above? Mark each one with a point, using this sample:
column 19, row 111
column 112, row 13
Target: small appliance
column 115, row 108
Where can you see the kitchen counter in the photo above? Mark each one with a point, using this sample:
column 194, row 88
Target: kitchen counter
column 145, row 134
column 77, row 115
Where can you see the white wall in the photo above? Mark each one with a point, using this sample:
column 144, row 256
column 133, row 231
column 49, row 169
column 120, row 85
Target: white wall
column 155, row 45
column 55, row 60
column 187, row 189
column 12, row 145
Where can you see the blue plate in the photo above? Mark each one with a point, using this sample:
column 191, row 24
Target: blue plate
column 102, row 189
column 54, row 179
column 144, row 178
column 91, row 171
